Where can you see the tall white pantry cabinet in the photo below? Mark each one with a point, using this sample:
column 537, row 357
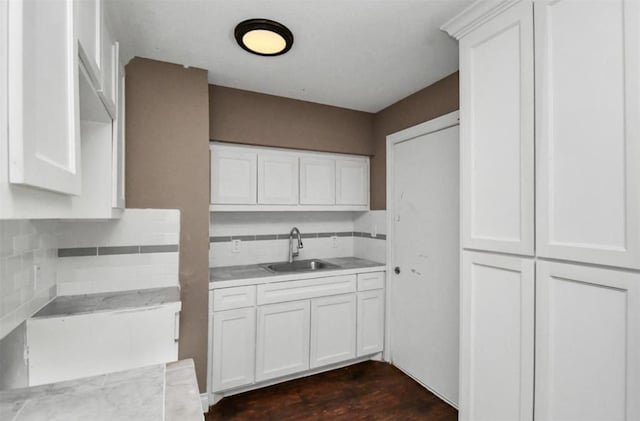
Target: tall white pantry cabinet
column 550, row 185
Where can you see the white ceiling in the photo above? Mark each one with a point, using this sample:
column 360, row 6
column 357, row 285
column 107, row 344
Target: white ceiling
column 358, row 54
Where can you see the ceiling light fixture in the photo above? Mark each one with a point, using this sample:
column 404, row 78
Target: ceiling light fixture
column 264, row 37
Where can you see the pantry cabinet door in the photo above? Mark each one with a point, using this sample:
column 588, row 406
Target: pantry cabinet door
column 317, row 181
column 333, row 330
column 497, row 337
column 497, row 133
column 352, row 181
column 233, row 175
column 234, row 333
column 370, row 334
column 588, row 131
column 44, row 127
column 282, row 340
column 587, row 343
column 277, row 179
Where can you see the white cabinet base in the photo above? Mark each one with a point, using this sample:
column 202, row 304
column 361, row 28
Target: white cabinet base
column 333, row 330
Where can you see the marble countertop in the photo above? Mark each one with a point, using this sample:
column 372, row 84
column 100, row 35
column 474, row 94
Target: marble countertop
column 226, row 276
column 111, row 301
column 166, row 392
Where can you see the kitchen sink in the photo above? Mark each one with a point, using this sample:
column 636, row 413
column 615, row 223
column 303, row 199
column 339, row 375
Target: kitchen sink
column 309, row 265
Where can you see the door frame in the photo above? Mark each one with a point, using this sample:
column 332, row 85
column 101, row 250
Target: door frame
column 437, row 124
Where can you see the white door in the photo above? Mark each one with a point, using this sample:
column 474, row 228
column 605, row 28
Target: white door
column 283, row 339
column 424, row 296
column 333, row 330
column 234, row 339
column 370, row 333
column 233, row 175
column 317, row 181
column 496, row 128
column 89, row 24
column 277, row 179
column 497, row 338
column 352, row 181
column 588, row 131
column 44, row 129
column 587, row 343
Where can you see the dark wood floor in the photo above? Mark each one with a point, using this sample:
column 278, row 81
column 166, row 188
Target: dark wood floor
column 369, row 390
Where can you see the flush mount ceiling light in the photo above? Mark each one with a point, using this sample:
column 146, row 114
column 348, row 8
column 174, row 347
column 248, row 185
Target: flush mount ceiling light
column 264, row 37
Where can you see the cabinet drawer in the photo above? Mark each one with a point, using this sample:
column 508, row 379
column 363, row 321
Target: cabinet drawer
column 309, row 288
column 369, row 281
column 237, row 297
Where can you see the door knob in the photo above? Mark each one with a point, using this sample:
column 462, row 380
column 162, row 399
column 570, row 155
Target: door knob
column 397, row 270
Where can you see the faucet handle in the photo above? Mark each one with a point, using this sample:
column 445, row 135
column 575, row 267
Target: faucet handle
column 300, row 246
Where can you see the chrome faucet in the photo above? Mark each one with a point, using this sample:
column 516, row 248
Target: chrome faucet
column 293, row 231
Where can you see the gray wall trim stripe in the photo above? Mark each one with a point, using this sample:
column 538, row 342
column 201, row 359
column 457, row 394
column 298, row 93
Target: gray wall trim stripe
column 263, row 237
column 116, row 250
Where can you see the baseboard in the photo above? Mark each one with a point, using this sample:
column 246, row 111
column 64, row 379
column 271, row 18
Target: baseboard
column 204, row 400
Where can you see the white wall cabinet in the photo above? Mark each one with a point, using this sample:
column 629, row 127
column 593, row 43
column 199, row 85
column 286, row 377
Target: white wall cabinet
column 588, row 131
column 282, row 340
column 89, row 16
column 108, row 89
column 497, row 337
column 277, row 179
column 333, row 330
column 587, row 343
column 234, row 333
column 44, row 130
column 496, row 123
column 247, row 178
column 233, row 175
column 370, row 329
column 317, row 181
column 352, row 181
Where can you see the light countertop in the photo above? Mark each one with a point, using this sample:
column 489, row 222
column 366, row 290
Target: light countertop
column 230, row 276
column 111, row 301
column 166, row 392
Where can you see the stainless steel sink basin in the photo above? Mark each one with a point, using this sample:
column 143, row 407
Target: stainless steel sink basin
column 299, row 266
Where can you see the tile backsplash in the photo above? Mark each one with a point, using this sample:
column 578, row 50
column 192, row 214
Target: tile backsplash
column 28, row 263
column 264, row 236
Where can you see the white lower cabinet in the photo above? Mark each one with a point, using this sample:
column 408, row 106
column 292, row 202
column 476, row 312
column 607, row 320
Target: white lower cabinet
column 234, row 333
column 587, row 343
column 370, row 329
column 497, row 337
column 333, row 330
column 283, row 339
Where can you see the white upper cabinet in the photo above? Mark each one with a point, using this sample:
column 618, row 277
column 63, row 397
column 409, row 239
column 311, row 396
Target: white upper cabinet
column 108, row 90
column 497, row 133
column 497, row 337
column 352, row 181
column 43, row 116
column 277, row 179
column 247, row 178
column 233, row 175
column 89, row 24
column 587, row 343
column 588, row 131
column 317, row 181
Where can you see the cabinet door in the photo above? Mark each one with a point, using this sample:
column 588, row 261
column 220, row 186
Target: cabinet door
column 497, row 133
column 89, row 23
column 352, row 181
column 118, row 156
column 587, row 343
column 233, row 175
column 317, row 181
column 283, row 339
column 234, row 340
column 333, row 330
column 44, row 130
column 110, row 71
column 277, row 179
column 496, row 342
column 370, row 322
column 588, row 131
